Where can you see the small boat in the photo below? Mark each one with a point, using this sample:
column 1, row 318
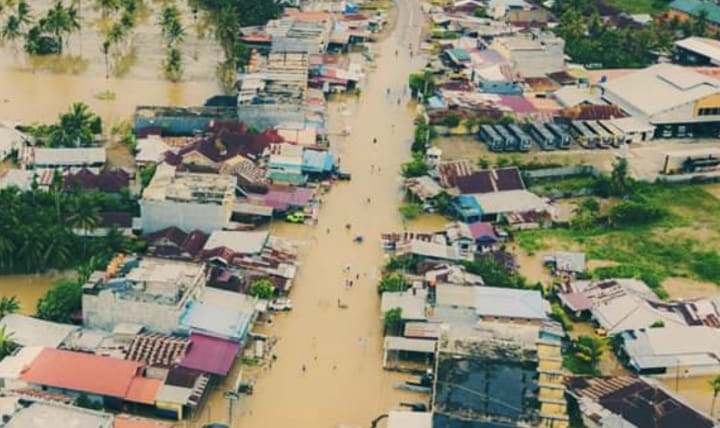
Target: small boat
column 342, row 305
column 412, row 387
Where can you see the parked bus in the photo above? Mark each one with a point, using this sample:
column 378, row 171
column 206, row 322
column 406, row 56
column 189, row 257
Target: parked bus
column 543, row 136
column 584, row 136
column 523, row 139
column 511, row 143
column 562, row 139
column 618, row 136
column 605, row 139
column 493, row 140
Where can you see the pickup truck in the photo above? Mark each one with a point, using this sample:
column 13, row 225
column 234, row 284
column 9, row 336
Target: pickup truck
column 280, row 305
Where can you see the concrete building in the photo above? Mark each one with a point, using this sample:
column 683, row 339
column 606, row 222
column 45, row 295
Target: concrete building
column 150, row 292
column 187, row 200
column 70, row 159
column 533, row 55
column 679, row 102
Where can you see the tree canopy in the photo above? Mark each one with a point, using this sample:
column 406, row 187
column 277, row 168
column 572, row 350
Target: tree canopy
column 262, row 288
column 60, row 302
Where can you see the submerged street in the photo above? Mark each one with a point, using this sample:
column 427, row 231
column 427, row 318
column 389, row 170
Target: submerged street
column 341, row 349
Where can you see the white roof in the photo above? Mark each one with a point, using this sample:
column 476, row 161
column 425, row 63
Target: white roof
column 674, row 346
column 173, row 394
column 241, row 242
column 705, row 47
column 10, row 139
column 632, row 312
column 412, row 304
column 511, row 201
column 630, row 125
column 407, row 419
column 455, row 295
column 43, row 415
column 29, row 331
column 394, row 343
column 152, row 149
column 20, row 178
column 570, row 96
column 66, row 156
column 510, row 302
column 229, row 300
column 659, row 88
column 13, row 365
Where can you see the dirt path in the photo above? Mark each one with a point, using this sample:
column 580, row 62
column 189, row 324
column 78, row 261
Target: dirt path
column 341, row 349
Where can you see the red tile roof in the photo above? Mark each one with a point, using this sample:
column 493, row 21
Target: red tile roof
column 210, row 354
column 82, row 372
column 111, row 181
column 143, row 390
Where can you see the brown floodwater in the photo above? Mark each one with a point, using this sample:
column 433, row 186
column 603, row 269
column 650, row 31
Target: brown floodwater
column 341, row 349
column 28, row 288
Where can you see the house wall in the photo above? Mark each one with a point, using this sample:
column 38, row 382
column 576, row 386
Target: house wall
column 157, row 215
column 104, row 311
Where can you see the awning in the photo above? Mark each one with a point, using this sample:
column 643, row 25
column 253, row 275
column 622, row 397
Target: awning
column 393, row 343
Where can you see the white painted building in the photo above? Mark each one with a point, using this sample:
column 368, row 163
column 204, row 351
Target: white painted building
column 533, row 55
column 186, row 200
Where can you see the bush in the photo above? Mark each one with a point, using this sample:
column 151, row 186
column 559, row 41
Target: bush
column 630, row 212
column 60, row 302
column 407, row 262
column 262, row 288
column 411, row 210
column 559, row 315
column 393, row 282
column 706, row 266
column 452, row 120
column 493, row 274
column 415, row 168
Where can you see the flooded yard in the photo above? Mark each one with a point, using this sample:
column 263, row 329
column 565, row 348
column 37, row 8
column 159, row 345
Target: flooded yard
column 28, row 288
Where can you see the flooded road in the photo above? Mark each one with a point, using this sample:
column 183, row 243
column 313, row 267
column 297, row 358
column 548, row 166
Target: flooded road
column 28, row 288
column 341, row 349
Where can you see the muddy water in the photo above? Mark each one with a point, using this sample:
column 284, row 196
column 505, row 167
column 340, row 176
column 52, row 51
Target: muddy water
column 27, row 288
column 342, row 348
column 41, row 97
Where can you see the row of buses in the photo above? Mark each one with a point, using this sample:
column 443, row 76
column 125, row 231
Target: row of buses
column 512, row 138
column 597, row 134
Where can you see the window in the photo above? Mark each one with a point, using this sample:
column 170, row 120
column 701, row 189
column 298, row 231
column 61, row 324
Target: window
column 709, row 111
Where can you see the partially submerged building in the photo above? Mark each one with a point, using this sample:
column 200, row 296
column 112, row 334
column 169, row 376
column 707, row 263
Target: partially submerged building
column 149, row 291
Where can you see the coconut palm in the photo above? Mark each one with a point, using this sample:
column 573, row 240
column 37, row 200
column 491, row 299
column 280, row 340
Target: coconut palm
column 57, row 22
column 107, row 6
column 23, row 14
column 74, row 21
column 168, row 15
column 106, row 50
column 85, row 216
column 174, row 33
column 8, row 305
column 173, row 64
column 11, row 30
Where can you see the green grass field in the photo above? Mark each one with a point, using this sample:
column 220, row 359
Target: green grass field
column 634, row 6
column 683, row 244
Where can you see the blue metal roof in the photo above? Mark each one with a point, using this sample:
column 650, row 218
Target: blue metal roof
column 318, row 161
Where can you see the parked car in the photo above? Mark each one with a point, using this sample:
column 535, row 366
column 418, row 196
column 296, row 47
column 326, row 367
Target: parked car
column 343, row 176
column 280, row 305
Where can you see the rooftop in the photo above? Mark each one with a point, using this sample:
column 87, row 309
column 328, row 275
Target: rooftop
column 673, row 347
column 82, row 372
column 29, row 331
column 407, row 419
column 695, row 7
column 129, row 421
column 636, row 400
column 148, row 279
column 508, row 302
column 513, row 201
column 43, row 415
column 706, row 47
column 240, row 242
column 167, row 184
column 490, row 180
column 412, row 303
column 69, row 156
column 659, row 88
column 210, row 354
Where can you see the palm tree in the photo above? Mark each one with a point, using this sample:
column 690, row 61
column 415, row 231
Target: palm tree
column 85, row 216
column 106, row 6
column 23, row 14
column 174, row 33
column 106, row 50
column 8, row 305
column 11, row 30
column 6, row 342
column 715, row 385
column 56, row 21
column 168, row 15
column 74, row 23
column 173, row 64
column 117, row 34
